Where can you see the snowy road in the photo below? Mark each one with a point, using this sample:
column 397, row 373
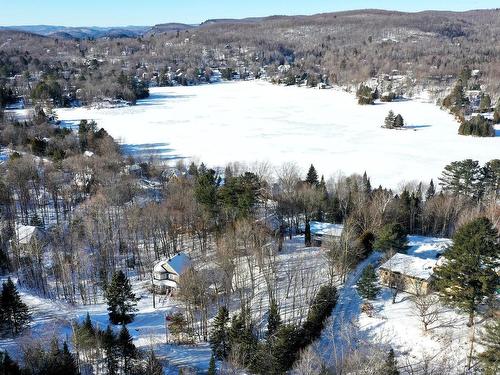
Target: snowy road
column 341, row 327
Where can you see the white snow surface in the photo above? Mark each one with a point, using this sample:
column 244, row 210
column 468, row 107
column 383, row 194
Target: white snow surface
column 257, row 121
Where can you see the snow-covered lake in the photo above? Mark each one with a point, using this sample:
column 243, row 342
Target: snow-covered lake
column 256, row 121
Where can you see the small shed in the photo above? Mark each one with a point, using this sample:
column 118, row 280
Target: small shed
column 408, row 273
column 167, row 273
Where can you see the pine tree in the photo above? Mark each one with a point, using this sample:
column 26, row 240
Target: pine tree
column 153, row 365
column 68, row 363
column 108, row 344
column 312, row 176
column 398, row 121
column 463, row 178
column 212, row 368
column 490, row 357
column 367, row 186
column 391, row 364
column 8, row 366
column 389, row 120
column 121, row 300
column 178, row 326
column 15, row 315
column 219, row 337
column 468, row 274
column 273, row 319
column 431, row 190
column 242, row 339
column 126, row 349
column 367, row 284
column 485, row 103
column 391, row 237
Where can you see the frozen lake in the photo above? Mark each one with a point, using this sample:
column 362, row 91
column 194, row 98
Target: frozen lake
column 256, row 121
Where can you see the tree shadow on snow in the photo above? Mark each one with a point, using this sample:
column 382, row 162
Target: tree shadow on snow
column 147, row 150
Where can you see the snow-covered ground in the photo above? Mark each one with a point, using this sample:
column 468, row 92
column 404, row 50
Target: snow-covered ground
column 300, row 273
column 445, row 345
column 256, row 121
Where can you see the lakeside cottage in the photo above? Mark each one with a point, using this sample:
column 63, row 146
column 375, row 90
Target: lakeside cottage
column 408, row 273
column 167, row 273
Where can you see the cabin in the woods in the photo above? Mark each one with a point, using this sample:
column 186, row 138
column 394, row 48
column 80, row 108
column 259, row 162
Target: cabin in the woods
column 321, row 232
column 27, row 238
column 408, row 273
column 167, row 273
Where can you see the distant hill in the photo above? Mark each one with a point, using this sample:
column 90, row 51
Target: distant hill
column 92, row 32
column 170, row 27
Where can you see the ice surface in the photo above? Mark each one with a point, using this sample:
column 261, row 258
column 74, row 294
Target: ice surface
column 254, row 120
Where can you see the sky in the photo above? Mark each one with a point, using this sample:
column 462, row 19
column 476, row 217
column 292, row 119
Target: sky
column 151, row 12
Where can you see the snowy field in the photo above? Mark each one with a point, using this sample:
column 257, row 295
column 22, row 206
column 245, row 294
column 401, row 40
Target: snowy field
column 256, row 121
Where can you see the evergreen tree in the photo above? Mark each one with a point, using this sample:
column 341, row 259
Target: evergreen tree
column 84, row 337
column 126, row 349
column 468, row 274
column 320, row 309
column 285, row 348
column 367, row 284
column 212, row 368
column 242, row 339
column 121, row 300
column 490, row 357
column 485, row 103
column 8, row 366
column 68, row 363
column 398, row 121
column 219, row 337
column 108, row 344
column 273, row 319
column 431, row 190
column 312, row 176
column 153, row 365
column 367, row 186
column 391, row 364
column 491, row 178
column 391, row 237
column 15, row 315
column 389, row 120
column 463, row 178
column 178, row 326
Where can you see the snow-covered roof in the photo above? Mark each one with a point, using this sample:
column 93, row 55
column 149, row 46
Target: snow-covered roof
column 24, row 233
column 178, row 264
column 326, row 229
column 410, row 265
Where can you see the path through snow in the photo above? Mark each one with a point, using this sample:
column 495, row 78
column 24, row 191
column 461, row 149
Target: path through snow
column 341, row 326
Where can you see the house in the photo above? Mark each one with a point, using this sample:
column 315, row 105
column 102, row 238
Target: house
column 408, row 273
column 27, row 238
column 167, row 273
column 324, row 231
column 27, row 234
